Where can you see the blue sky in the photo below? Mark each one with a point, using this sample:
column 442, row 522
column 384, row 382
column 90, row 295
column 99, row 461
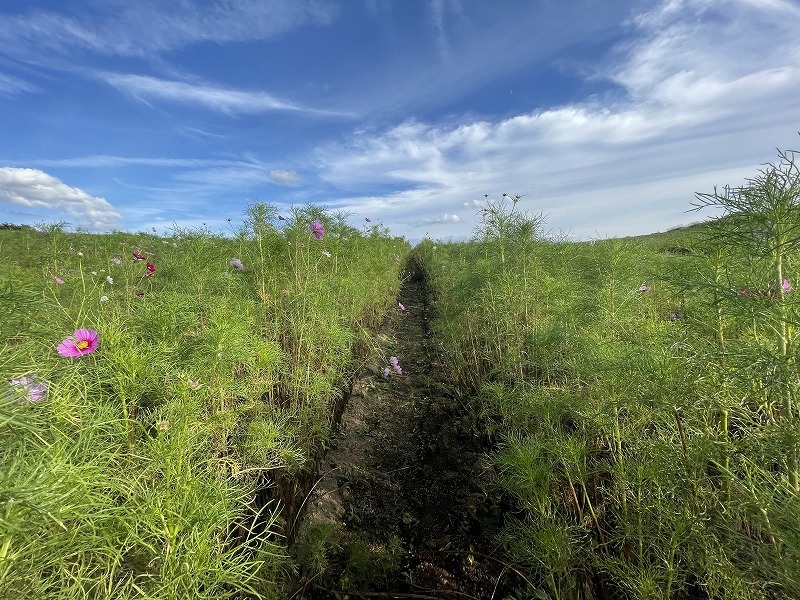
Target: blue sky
column 606, row 115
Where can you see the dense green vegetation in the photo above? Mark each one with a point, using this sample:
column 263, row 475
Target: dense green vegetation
column 637, row 397
column 166, row 462
column 640, row 394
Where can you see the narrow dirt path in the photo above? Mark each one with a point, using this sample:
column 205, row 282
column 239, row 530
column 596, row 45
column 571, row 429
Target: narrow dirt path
column 398, row 511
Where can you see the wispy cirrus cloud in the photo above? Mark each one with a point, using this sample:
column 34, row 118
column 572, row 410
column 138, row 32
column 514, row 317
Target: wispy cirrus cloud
column 105, row 160
column 151, row 27
column 12, row 86
column 223, row 100
column 36, row 189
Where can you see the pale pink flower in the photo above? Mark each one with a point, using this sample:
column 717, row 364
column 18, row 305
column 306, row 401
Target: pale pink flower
column 30, row 388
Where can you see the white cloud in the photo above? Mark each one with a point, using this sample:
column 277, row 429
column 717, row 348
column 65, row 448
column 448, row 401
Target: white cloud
column 710, row 90
column 444, row 219
column 147, row 27
column 105, row 160
column 12, row 86
column 223, row 100
column 285, row 177
column 36, row 189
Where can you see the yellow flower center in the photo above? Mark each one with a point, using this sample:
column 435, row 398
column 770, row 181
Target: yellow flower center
column 82, row 345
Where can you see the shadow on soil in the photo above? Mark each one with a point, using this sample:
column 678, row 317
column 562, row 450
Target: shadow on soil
column 398, row 510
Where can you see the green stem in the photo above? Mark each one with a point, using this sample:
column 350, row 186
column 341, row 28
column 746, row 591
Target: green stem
column 618, row 444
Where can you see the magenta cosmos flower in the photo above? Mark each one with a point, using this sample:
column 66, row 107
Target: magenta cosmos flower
column 317, row 229
column 83, row 341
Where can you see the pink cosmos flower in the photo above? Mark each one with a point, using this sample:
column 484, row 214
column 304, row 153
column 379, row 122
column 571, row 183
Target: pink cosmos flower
column 401, row 305
column 386, row 372
column 116, row 261
column 80, row 343
column 193, row 384
column 162, row 425
column 317, row 230
column 138, row 256
column 31, row 389
column 786, row 285
column 58, row 280
column 237, row 264
column 645, row 288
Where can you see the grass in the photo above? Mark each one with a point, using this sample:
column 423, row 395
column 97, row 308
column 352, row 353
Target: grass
column 152, row 468
column 637, row 397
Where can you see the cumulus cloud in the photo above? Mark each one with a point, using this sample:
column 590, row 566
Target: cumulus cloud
column 444, row 219
column 703, row 90
column 285, row 177
column 36, row 189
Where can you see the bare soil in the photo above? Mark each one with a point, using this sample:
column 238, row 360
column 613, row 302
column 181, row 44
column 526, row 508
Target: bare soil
column 400, row 509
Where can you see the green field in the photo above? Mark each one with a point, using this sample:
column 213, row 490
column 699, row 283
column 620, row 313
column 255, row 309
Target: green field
column 636, row 399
